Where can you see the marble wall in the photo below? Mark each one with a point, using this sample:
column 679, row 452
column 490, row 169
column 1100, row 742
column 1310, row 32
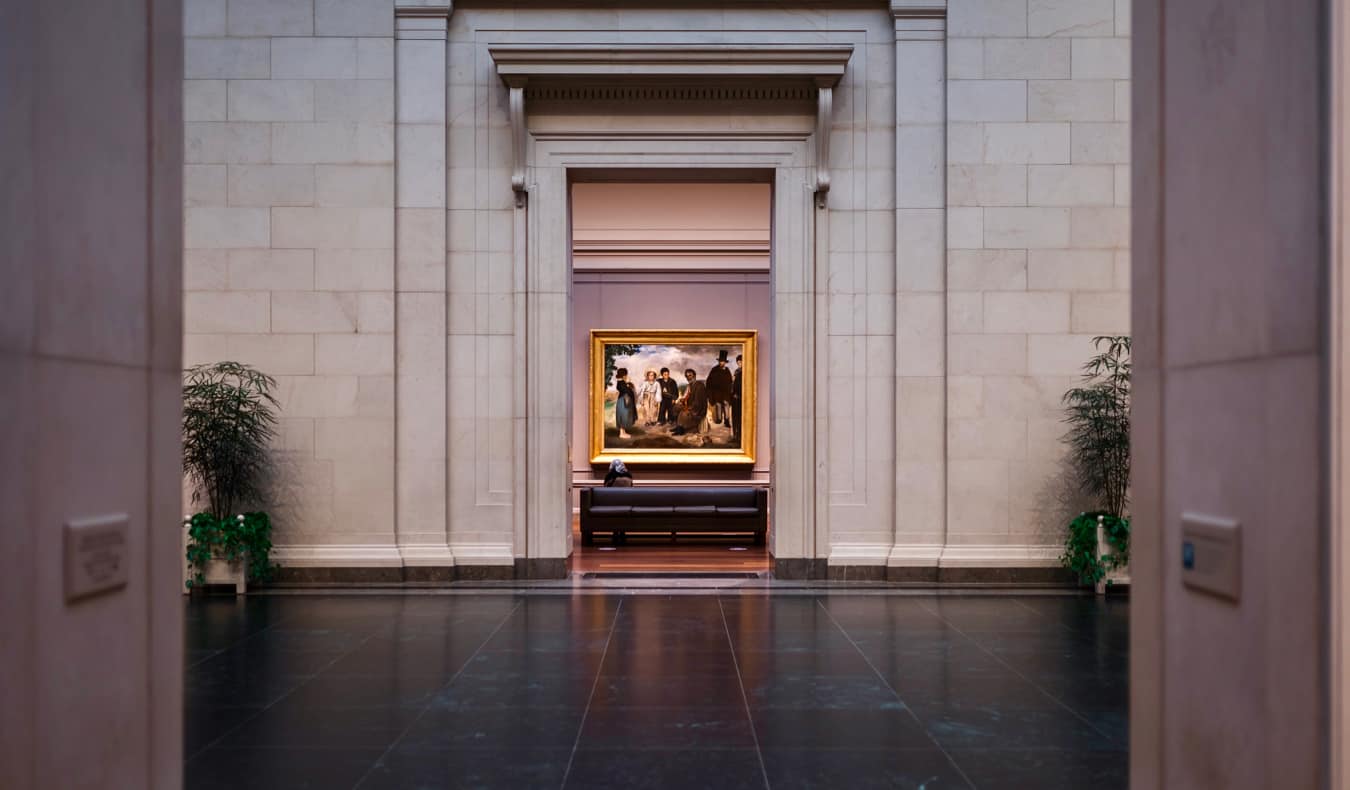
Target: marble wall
column 352, row 229
column 90, row 362
column 1232, row 372
column 1038, row 189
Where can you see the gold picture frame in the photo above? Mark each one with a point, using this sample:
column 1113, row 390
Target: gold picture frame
column 678, row 434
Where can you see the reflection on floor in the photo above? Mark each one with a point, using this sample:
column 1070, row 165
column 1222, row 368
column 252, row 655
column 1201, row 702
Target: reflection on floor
column 691, row 553
column 598, row 691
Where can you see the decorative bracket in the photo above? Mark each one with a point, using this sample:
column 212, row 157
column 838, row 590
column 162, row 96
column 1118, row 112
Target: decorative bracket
column 824, row 118
column 516, row 111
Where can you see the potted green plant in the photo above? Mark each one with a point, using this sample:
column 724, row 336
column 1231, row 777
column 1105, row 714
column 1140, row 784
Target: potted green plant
column 1097, row 546
column 229, row 421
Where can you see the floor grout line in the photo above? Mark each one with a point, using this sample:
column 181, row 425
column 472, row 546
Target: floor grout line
column 600, row 668
column 278, row 700
column 445, row 685
column 745, row 698
column 898, row 698
column 1019, row 674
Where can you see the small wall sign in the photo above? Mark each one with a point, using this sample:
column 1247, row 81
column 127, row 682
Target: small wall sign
column 95, row 555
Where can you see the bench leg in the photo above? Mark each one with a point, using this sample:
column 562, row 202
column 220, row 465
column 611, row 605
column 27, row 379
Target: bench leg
column 587, row 539
column 760, row 538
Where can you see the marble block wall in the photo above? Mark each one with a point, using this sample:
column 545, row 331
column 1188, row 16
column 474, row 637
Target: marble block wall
column 90, row 363
column 289, row 226
column 343, row 174
column 1038, row 190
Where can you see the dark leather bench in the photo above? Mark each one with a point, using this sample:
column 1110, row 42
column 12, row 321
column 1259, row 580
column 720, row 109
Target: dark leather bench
column 621, row 511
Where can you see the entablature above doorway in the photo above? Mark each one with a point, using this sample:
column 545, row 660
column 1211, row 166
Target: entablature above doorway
column 764, row 72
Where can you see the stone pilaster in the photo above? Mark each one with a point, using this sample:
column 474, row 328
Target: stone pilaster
column 920, row 285
column 420, row 284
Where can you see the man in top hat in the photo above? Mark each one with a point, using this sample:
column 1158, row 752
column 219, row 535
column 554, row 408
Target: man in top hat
column 736, row 402
column 719, row 389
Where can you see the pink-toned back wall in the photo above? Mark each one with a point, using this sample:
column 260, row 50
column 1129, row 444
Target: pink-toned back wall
column 673, row 300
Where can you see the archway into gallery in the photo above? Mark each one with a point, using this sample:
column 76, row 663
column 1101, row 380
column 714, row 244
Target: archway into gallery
column 671, row 272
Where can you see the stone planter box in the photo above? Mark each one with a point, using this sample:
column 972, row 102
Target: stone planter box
column 219, row 571
column 1119, row 576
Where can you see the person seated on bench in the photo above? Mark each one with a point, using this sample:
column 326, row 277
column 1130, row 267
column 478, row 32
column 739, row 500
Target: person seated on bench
column 618, row 475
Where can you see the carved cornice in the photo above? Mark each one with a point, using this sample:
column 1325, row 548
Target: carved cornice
column 810, row 64
column 626, row 93
column 778, row 72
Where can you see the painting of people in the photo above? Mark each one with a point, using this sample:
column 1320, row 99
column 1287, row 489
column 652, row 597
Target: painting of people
column 673, row 396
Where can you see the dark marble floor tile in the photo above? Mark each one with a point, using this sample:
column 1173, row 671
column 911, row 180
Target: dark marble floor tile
column 914, row 769
column 970, row 691
column 514, row 690
column 494, row 729
column 639, row 641
column 1114, row 724
column 435, row 655
column 196, row 655
column 319, row 640
column 656, row 770
column 297, row 691
column 759, row 664
column 667, row 728
column 795, row 640
column 832, row 692
column 824, row 728
column 523, row 663
column 1002, row 769
column 238, row 688
column 360, row 691
column 527, row 639
column 995, row 727
column 515, row 769
column 664, row 691
column 990, row 614
column 203, row 725
column 290, row 725
column 669, row 663
column 961, row 659
column 278, row 769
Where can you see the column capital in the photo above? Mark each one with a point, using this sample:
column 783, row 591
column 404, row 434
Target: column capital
column 919, row 20
column 414, row 19
column 432, row 8
column 919, row 9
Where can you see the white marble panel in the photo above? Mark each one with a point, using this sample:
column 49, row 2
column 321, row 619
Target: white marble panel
column 354, row 185
column 368, row 100
column 333, row 228
column 353, row 17
column 1071, row 17
column 227, row 58
column 271, row 185
column 271, row 270
column 313, row 58
column 216, row 227
column 203, row 100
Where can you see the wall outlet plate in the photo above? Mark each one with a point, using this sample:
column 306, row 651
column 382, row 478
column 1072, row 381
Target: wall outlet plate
column 95, row 555
column 1211, row 555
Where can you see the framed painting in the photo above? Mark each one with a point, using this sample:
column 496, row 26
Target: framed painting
column 673, row 396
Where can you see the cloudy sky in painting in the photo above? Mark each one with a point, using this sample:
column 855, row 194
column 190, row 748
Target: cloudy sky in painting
column 677, row 358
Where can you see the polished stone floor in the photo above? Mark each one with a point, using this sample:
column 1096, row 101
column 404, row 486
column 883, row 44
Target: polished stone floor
column 595, row 690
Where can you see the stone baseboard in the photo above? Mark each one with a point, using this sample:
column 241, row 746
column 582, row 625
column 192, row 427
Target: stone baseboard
column 799, row 569
column 422, row 574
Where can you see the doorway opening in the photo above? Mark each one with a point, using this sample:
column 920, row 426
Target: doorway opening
column 671, row 318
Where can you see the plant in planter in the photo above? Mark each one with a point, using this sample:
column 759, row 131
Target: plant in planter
column 229, row 419
column 1098, row 414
